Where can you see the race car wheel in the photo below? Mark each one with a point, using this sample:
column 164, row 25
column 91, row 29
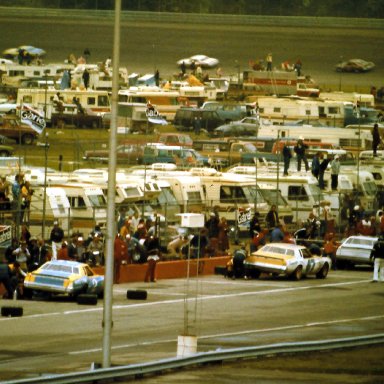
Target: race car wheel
column 11, row 311
column 254, row 273
column 322, row 274
column 87, row 299
column 297, row 275
column 137, row 294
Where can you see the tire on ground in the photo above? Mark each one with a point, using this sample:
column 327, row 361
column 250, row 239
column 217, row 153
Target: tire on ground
column 12, row 311
column 137, row 294
column 87, row 299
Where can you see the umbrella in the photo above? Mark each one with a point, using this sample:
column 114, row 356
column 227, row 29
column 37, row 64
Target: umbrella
column 11, row 52
column 33, row 51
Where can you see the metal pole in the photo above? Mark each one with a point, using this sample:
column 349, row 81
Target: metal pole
column 111, row 221
column 255, row 207
column 45, row 185
column 278, row 168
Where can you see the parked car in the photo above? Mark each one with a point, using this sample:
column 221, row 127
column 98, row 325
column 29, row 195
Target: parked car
column 288, row 259
column 355, row 250
column 65, row 277
column 8, row 108
column 125, row 153
column 355, row 65
column 175, row 139
column 235, row 130
column 202, row 60
column 6, row 150
column 12, row 128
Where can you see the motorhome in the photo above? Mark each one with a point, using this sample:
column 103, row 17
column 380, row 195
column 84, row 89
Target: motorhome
column 186, row 189
column 347, row 138
column 100, row 78
column 332, row 113
column 234, row 197
column 300, row 190
column 359, row 99
column 365, row 186
column 13, row 74
column 87, row 206
column 41, row 99
column 166, row 102
column 47, row 205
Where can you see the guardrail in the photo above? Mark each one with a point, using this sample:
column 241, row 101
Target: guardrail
column 194, row 18
column 156, row 367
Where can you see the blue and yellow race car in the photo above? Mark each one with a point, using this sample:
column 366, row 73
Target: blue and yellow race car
column 65, row 277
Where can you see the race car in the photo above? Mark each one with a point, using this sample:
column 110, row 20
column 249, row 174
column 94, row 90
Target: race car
column 65, row 277
column 199, row 60
column 291, row 260
column 355, row 65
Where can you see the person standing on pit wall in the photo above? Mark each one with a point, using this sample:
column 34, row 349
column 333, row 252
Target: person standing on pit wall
column 300, row 149
column 378, row 255
column 335, row 170
column 376, row 139
column 287, row 155
column 56, row 238
column 315, row 166
column 297, row 67
column 269, row 61
column 322, row 168
column 152, row 259
column 86, row 78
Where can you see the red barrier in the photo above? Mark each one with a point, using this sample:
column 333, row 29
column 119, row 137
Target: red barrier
column 170, row 269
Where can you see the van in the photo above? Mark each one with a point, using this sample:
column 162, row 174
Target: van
column 185, row 117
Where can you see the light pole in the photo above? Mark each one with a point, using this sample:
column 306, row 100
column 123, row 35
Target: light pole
column 46, row 146
column 187, row 343
column 341, row 60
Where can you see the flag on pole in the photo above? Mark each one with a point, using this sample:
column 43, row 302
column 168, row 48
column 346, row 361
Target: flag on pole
column 33, row 118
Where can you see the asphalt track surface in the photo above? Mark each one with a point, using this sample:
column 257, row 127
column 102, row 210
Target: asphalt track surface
column 149, row 46
column 145, row 47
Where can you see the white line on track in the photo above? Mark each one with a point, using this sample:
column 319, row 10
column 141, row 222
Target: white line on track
column 176, row 301
column 232, row 334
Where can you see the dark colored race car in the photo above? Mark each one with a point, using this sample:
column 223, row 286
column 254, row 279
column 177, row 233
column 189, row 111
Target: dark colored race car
column 355, row 66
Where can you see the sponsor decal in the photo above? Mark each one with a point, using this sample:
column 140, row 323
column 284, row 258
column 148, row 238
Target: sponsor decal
column 243, row 216
column 33, row 118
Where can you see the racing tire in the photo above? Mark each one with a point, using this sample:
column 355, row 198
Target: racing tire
column 137, row 294
column 297, row 274
column 87, row 299
column 255, row 273
column 220, row 270
column 12, row 311
column 322, row 274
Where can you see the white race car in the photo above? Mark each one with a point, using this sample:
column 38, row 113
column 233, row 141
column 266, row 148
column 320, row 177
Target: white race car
column 201, row 60
column 287, row 259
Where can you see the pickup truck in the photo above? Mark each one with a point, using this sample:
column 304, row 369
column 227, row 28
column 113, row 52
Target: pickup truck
column 224, row 153
column 12, row 128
